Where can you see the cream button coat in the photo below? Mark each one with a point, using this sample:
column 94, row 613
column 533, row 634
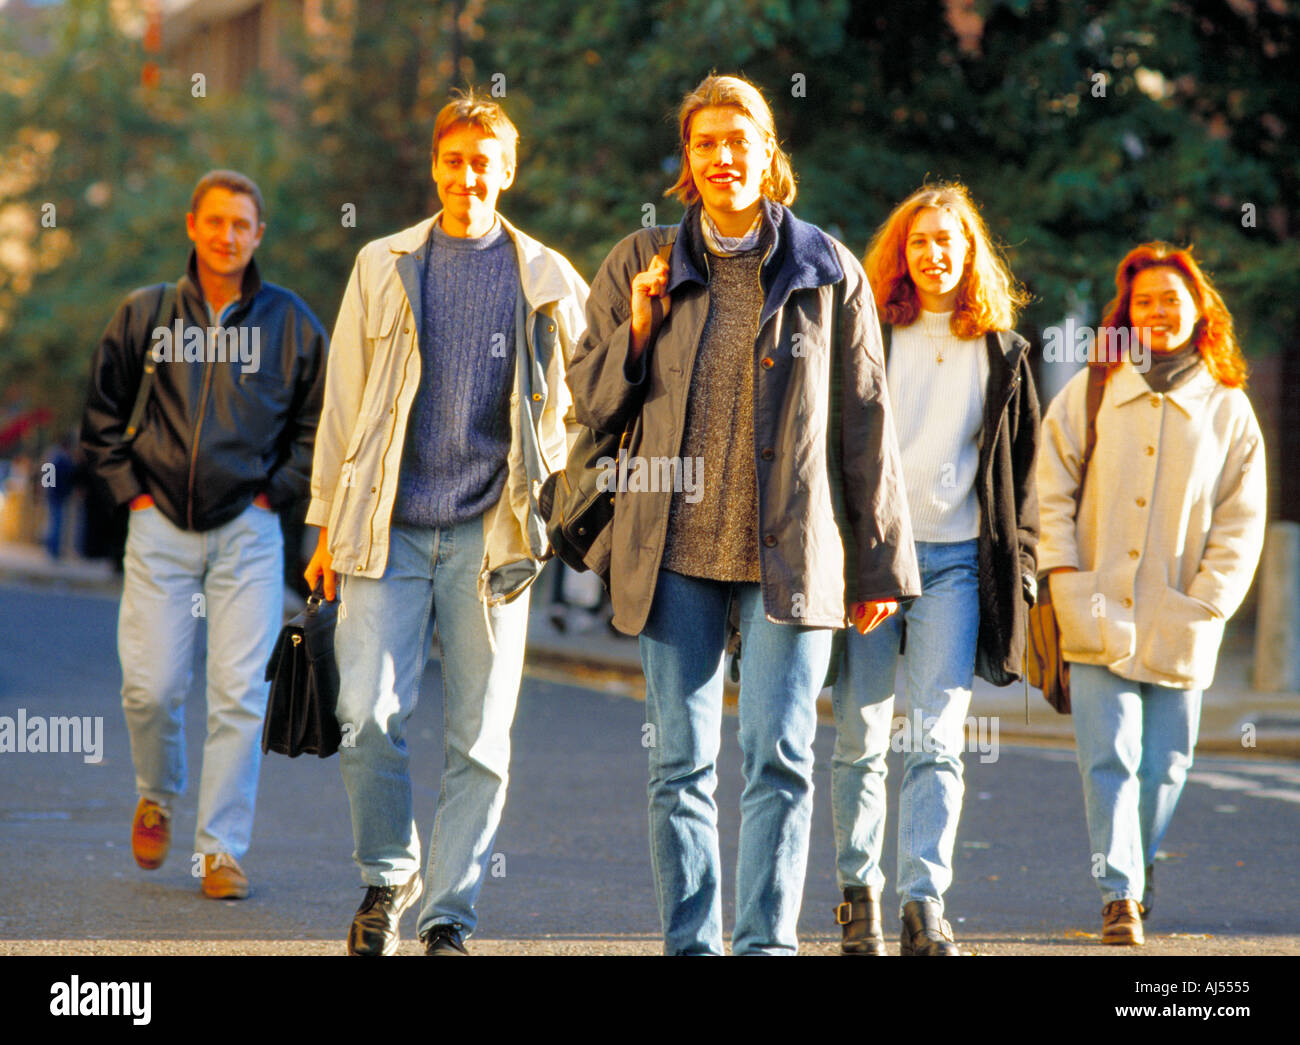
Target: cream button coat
column 1170, row 527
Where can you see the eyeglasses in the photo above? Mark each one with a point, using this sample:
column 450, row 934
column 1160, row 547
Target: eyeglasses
column 705, row 148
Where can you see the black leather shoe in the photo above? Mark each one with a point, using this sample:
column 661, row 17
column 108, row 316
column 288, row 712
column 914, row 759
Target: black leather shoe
column 374, row 927
column 925, row 932
column 859, row 915
column 444, row 941
column 1149, row 894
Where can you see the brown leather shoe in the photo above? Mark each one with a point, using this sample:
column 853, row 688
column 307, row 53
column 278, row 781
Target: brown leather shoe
column 151, row 835
column 223, row 878
column 859, row 915
column 925, row 932
column 1121, row 923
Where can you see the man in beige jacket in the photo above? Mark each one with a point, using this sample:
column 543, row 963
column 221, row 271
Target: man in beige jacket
column 445, row 408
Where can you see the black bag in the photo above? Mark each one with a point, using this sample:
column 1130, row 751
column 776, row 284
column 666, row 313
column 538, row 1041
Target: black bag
column 576, row 508
column 577, row 511
column 304, row 679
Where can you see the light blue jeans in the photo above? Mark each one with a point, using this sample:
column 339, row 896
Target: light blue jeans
column 782, row 671
column 382, row 645
column 1135, row 742
column 232, row 576
column 938, row 669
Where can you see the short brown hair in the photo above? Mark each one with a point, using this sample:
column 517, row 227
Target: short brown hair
column 737, row 93
column 474, row 110
column 232, row 181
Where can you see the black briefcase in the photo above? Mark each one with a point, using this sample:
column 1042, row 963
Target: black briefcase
column 304, row 681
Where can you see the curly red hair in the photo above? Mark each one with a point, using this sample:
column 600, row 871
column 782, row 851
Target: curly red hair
column 1213, row 336
column 988, row 296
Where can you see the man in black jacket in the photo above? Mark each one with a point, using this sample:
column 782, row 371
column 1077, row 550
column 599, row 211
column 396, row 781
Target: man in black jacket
column 201, row 415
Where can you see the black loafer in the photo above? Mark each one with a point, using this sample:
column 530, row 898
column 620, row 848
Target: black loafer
column 925, row 932
column 374, row 927
column 859, row 915
column 444, row 941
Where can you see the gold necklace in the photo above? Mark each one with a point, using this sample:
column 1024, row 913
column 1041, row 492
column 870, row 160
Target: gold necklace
column 936, row 345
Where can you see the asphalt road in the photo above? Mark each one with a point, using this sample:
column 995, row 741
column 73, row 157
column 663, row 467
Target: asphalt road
column 573, row 866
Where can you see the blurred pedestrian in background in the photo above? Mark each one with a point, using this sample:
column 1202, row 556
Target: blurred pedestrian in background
column 204, row 453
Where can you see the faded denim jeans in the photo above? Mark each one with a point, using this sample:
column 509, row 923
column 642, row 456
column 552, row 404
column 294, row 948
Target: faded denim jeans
column 783, row 668
column 232, row 577
column 938, row 670
column 1135, row 742
column 382, row 643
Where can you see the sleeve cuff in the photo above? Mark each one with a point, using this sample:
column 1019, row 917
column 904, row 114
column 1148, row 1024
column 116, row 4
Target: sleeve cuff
column 318, row 513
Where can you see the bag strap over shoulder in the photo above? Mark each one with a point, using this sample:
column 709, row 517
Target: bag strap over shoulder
column 1096, row 391
column 163, row 305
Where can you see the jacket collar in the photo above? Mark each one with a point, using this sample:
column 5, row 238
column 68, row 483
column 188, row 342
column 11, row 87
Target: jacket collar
column 1126, row 385
column 188, row 286
column 542, row 280
column 800, row 256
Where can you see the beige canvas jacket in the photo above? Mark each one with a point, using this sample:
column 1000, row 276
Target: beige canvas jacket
column 1169, row 530
column 370, row 385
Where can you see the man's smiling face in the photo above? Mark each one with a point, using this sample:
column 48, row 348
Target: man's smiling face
column 470, row 171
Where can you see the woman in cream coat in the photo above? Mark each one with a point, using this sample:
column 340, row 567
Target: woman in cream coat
column 1162, row 552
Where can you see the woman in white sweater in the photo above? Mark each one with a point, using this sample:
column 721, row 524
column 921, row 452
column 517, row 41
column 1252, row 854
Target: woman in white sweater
column 967, row 419
column 1161, row 552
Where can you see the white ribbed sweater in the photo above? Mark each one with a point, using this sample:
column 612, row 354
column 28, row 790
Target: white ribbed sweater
column 938, row 413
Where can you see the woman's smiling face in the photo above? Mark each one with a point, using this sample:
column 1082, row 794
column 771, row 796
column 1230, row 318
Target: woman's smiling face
column 728, row 156
column 1162, row 309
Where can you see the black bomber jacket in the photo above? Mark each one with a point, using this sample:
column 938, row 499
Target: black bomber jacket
column 233, row 409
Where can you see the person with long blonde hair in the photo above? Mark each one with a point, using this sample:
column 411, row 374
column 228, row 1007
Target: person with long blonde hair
column 1159, row 554
column 741, row 349
column 967, row 417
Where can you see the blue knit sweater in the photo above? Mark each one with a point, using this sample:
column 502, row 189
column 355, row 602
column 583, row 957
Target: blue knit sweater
column 458, row 435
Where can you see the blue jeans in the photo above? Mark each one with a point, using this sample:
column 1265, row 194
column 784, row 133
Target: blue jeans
column 782, row 671
column 382, row 645
column 232, row 576
column 938, row 669
column 1135, row 743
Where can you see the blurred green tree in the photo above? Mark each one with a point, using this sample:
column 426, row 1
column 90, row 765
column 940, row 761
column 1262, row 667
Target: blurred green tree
column 1081, row 127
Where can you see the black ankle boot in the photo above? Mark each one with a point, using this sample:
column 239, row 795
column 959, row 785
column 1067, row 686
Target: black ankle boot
column 859, row 914
column 925, row 932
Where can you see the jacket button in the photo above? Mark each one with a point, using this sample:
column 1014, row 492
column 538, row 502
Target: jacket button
column 537, row 397
column 373, row 489
column 769, row 541
column 1133, row 553
column 550, row 328
column 1150, row 451
column 1155, row 400
column 1141, row 502
column 358, row 569
column 768, row 453
column 1128, row 603
column 767, row 363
